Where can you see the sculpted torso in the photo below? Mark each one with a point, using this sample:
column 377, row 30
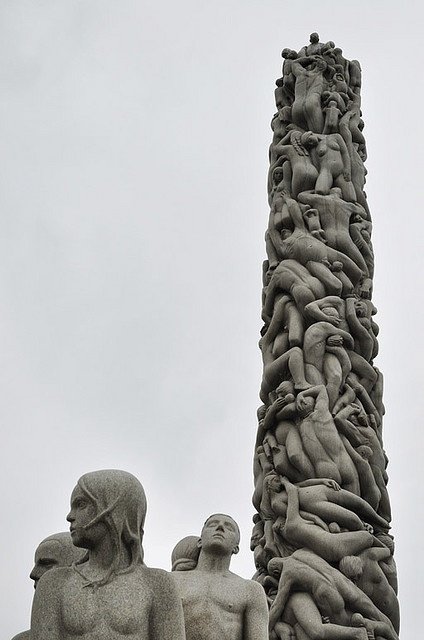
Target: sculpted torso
column 119, row 610
column 214, row 606
column 91, row 613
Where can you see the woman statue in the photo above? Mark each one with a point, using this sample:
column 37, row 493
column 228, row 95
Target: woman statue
column 109, row 593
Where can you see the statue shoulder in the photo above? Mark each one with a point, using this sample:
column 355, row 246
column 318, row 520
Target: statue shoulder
column 158, row 579
column 251, row 588
column 24, row 635
column 55, row 578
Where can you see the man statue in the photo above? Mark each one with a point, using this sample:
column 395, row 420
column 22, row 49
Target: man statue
column 55, row 551
column 218, row 604
column 109, row 594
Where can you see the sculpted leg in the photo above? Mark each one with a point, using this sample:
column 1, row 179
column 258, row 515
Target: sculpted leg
column 297, row 455
column 275, row 371
column 331, row 512
column 333, row 286
column 303, row 609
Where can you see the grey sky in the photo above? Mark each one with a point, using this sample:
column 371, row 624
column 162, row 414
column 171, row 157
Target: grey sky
column 134, row 142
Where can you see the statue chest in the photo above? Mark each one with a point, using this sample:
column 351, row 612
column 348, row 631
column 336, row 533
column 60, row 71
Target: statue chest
column 119, row 608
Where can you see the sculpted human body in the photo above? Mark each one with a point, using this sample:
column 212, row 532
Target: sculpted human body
column 309, row 87
column 322, row 442
column 324, row 498
column 218, row 604
column 53, row 552
column 110, row 594
column 309, row 586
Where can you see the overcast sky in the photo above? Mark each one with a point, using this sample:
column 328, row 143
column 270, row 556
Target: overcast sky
column 134, row 143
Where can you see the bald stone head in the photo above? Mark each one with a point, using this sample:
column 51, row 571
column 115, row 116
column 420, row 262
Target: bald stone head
column 54, row 551
column 220, row 535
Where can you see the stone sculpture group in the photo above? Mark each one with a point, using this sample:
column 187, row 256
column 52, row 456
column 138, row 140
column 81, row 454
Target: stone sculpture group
column 321, row 541
column 322, row 549
column 93, row 583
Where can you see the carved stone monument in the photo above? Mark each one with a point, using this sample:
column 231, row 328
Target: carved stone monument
column 321, row 541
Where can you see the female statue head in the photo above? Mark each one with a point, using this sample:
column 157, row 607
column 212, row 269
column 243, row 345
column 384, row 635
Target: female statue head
column 109, row 504
column 185, row 554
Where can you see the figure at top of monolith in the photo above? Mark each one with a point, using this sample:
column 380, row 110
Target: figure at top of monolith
column 110, row 594
column 217, row 603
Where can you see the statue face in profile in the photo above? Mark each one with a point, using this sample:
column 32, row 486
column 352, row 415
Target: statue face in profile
column 86, row 530
column 220, row 535
column 47, row 556
column 55, row 551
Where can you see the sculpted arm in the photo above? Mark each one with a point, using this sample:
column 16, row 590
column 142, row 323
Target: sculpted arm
column 45, row 620
column 320, row 393
column 279, row 603
column 314, row 310
column 256, row 614
column 365, row 341
column 345, row 157
column 167, row 620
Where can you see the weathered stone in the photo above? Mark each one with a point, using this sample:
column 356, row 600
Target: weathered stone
column 110, row 594
column 216, row 602
column 54, row 551
column 320, row 539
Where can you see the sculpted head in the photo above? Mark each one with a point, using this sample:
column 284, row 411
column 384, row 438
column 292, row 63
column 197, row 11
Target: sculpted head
column 309, row 139
column 220, row 535
column 185, row 554
column 314, row 38
column 320, row 64
column 257, row 533
column 277, row 175
column 109, row 503
column 352, row 567
column 284, row 389
column 55, row 551
column 275, row 567
column 272, row 482
column 288, row 54
column 305, row 406
column 361, row 308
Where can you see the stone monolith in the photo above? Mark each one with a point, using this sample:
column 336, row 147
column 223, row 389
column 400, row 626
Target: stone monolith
column 321, row 541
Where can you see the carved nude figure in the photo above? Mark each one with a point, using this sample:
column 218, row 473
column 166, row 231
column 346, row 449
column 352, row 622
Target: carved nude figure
column 289, row 455
column 325, row 356
column 284, row 331
column 307, row 249
column 309, row 87
column 365, row 571
column 335, row 215
column 54, row 551
column 352, row 315
column 332, row 157
column 295, row 279
column 354, row 424
column 324, row 498
column 299, row 172
column 307, row 529
column 110, row 594
column 217, row 603
column 310, row 588
column 321, row 440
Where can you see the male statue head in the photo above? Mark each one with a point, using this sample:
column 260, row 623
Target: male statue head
column 220, row 536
